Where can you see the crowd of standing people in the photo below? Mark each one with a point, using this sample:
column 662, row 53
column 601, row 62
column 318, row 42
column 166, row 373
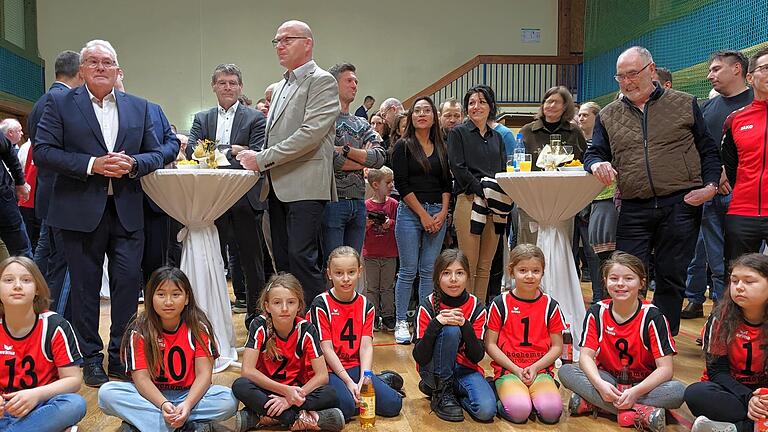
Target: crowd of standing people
column 353, row 215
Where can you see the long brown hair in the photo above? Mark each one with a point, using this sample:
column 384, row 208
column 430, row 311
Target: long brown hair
column 435, row 135
column 149, row 325
column 42, row 293
column 729, row 316
column 445, row 259
column 569, row 109
column 289, row 282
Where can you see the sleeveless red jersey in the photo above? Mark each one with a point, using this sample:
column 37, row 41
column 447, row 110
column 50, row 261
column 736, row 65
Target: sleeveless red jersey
column 344, row 323
column 524, row 327
column 641, row 339
column 33, row 360
column 473, row 311
column 297, row 350
column 179, row 350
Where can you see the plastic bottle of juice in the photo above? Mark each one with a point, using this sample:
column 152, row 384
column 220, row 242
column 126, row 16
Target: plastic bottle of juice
column 367, row 402
column 567, row 355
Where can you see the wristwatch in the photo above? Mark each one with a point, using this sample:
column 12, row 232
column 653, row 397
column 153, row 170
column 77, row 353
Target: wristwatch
column 345, row 150
column 134, row 168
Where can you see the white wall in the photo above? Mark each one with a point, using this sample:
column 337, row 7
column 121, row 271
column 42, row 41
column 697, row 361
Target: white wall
column 168, row 48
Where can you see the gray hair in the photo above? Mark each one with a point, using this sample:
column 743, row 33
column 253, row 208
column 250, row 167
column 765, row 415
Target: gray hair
column 8, row 123
column 389, row 103
column 641, row 51
column 227, row 69
column 98, row 43
column 67, row 64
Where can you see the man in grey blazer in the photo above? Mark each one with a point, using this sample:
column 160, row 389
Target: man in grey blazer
column 298, row 156
column 237, row 128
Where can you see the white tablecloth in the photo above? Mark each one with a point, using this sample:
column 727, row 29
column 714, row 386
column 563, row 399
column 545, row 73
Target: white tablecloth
column 196, row 198
column 553, row 198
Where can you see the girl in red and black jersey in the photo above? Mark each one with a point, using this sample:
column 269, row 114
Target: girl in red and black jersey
column 344, row 319
column 735, row 347
column 39, row 355
column 524, row 339
column 169, row 351
column 625, row 330
column 449, row 332
column 284, row 377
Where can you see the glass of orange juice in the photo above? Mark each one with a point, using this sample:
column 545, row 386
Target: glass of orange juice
column 525, row 162
column 511, row 162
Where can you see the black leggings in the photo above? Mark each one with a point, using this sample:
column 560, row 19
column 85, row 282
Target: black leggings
column 254, row 398
column 717, row 403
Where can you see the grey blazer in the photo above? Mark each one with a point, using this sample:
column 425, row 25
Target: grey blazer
column 298, row 154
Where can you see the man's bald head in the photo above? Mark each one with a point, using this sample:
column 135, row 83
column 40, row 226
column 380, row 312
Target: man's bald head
column 300, row 27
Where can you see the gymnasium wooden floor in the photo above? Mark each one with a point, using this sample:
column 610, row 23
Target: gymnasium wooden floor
column 416, row 415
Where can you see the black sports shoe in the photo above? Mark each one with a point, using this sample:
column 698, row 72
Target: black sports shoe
column 118, row 373
column 127, row 427
column 94, row 375
column 392, row 379
column 444, row 402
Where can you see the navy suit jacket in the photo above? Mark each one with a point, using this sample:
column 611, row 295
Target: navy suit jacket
column 45, row 177
column 169, row 144
column 248, row 127
column 68, row 135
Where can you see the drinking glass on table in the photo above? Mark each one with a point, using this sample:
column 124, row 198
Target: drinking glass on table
column 525, row 162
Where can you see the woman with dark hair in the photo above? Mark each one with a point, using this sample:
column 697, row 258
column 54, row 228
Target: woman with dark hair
column 554, row 117
column 423, row 179
column 476, row 151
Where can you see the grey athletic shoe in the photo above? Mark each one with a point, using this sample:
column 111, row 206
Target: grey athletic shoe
column 703, row 424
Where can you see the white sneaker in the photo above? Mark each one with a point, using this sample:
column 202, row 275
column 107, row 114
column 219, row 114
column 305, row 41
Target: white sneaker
column 703, row 424
column 402, row 334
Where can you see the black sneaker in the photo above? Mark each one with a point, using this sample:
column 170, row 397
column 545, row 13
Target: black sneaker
column 239, row 307
column 127, row 427
column 444, row 402
column 388, row 324
column 331, row 419
column 424, row 388
column 118, row 373
column 198, row 426
column 377, row 324
column 692, row 311
column 94, row 375
column 392, row 379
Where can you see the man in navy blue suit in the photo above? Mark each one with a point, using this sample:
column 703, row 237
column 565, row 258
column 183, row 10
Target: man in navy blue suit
column 159, row 230
column 48, row 256
column 99, row 141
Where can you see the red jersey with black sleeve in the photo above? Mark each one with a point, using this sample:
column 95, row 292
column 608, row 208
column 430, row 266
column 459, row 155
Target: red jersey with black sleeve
column 641, row 339
column 33, row 360
column 474, row 314
column 745, row 358
column 343, row 323
column 297, row 350
column 179, row 351
column 524, row 327
column 744, row 151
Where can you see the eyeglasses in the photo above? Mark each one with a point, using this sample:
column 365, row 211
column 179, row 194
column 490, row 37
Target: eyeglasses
column 425, row 111
column 630, row 75
column 287, row 40
column 761, row 68
column 93, row 63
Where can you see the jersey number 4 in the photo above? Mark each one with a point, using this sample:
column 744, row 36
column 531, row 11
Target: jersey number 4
column 348, row 333
column 28, row 369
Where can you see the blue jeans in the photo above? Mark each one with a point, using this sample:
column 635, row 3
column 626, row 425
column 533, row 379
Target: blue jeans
column 388, row 401
column 470, row 387
column 417, row 250
column 43, row 250
column 709, row 252
column 54, row 415
column 122, row 399
column 343, row 225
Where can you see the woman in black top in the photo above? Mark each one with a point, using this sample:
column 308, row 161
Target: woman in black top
column 423, row 178
column 476, row 151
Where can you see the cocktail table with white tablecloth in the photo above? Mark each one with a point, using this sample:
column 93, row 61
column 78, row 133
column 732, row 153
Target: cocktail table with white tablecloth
column 196, row 198
column 553, row 198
